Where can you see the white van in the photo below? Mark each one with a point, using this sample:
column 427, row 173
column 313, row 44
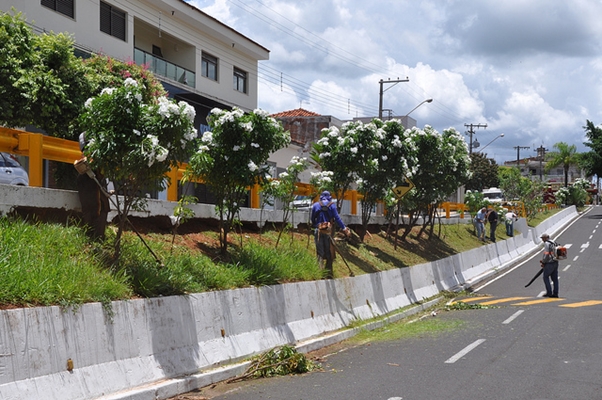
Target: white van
column 494, row 195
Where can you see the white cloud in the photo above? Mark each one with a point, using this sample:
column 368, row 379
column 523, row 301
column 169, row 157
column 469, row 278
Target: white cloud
column 530, row 69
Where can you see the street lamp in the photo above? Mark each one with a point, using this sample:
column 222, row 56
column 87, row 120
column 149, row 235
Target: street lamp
column 424, row 101
column 494, row 139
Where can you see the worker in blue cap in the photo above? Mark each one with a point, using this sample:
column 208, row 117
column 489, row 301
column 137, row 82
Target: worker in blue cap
column 323, row 213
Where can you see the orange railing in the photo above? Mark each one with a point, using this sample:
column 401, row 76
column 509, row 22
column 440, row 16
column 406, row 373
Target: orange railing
column 449, row 207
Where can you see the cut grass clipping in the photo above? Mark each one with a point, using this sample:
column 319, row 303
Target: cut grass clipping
column 282, row 360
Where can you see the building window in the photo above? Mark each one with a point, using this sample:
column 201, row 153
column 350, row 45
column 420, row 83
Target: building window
column 112, row 21
column 240, row 80
column 65, row 7
column 209, row 66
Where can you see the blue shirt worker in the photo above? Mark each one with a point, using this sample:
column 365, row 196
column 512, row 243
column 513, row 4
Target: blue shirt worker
column 549, row 263
column 323, row 213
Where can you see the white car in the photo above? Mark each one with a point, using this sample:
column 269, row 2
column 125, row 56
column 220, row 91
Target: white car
column 494, row 195
column 302, row 203
column 11, row 172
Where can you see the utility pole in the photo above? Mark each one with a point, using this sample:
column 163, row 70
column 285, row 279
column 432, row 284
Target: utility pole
column 518, row 154
column 541, row 155
column 471, row 132
column 381, row 92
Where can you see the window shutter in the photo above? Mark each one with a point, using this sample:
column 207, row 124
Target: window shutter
column 65, row 7
column 105, row 18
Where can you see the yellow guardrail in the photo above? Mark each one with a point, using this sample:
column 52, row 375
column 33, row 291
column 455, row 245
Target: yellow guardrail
column 38, row 147
column 449, row 207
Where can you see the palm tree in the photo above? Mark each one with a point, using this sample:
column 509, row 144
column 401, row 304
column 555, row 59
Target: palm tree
column 565, row 155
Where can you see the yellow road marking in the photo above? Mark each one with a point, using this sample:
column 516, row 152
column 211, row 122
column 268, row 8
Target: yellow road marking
column 582, row 304
column 538, row 301
column 505, row 300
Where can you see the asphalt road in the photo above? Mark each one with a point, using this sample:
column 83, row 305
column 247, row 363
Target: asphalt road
column 528, row 347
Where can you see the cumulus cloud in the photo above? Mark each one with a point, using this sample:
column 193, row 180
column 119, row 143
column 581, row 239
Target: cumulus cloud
column 528, row 69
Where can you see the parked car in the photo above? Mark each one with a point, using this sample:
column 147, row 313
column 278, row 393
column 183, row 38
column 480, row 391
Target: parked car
column 494, row 195
column 11, row 172
column 302, row 203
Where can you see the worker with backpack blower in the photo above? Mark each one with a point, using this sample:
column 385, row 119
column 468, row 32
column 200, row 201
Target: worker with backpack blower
column 323, row 213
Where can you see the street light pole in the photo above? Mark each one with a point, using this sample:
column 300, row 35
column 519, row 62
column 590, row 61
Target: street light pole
column 424, row 101
column 381, row 92
column 496, row 138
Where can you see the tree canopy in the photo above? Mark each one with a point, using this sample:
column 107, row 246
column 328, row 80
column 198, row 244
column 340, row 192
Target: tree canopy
column 565, row 155
column 484, row 172
column 591, row 161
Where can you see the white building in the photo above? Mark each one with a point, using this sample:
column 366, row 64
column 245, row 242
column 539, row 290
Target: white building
column 197, row 58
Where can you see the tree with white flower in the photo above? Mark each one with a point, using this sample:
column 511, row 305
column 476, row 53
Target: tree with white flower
column 135, row 143
column 232, row 157
column 335, row 152
column 443, row 165
column 388, row 158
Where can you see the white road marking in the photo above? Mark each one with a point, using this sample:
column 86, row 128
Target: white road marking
column 591, row 236
column 513, row 316
column 464, row 351
column 568, row 245
column 585, row 245
column 567, row 267
column 576, row 258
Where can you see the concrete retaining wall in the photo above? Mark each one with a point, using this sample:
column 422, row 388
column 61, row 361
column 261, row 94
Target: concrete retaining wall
column 140, row 350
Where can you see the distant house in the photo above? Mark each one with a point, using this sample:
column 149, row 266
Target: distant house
column 306, row 129
column 196, row 57
column 534, row 168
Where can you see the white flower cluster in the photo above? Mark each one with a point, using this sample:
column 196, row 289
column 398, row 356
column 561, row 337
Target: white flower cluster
column 247, row 126
column 261, row 113
column 223, row 116
column 154, row 151
column 322, row 178
column 298, row 161
column 130, row 82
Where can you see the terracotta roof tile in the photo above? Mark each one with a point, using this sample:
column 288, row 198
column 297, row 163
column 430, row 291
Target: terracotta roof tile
column 299, row 112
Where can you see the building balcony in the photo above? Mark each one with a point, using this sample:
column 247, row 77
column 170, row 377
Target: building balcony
column 163, row 68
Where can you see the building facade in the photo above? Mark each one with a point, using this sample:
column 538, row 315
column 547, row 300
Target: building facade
column 197, row 58
column 535, row 168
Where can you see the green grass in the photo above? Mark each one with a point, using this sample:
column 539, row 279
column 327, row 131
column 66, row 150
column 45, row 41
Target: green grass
column 52, row 264
column 540, row 217
column 411, row 327
column 43, row 264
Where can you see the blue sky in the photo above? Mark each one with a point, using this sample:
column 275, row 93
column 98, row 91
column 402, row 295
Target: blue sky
column 531, row 69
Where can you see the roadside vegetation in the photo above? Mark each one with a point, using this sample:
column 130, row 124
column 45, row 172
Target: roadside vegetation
column 50, row 264
column 134, row 134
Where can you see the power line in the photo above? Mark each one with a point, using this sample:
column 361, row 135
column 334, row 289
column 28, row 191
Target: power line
column 439, row 107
